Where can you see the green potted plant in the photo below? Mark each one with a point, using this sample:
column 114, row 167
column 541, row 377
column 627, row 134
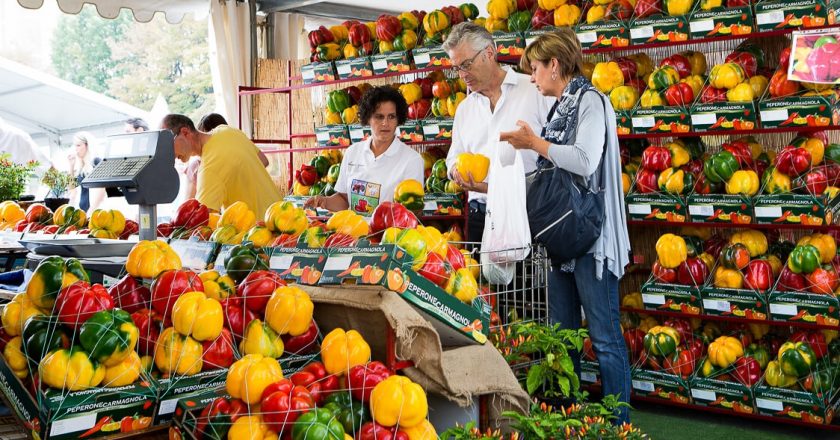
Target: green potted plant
column 59, row 183
column 14, row 177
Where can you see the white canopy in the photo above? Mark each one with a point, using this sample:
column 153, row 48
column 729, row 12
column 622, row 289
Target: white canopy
column 144, row 10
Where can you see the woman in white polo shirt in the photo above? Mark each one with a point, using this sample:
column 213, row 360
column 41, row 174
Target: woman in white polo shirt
column 372, row 169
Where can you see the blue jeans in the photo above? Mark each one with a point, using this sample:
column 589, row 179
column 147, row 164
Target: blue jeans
column 567, row 292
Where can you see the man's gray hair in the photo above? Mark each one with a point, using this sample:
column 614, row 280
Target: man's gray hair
column 467, row 32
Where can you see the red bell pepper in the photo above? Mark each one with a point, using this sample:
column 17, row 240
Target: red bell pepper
column 678, row 62
column 695, row 167
column 702, row 185
column 692, row 272
column 784, row 58
column 714, row 245
column 81, row 300
column 780, row 85
column 663, row 274
column 359, row 34
column 320, row 36
column 216, row 419
column 679, row 94
column 218, row 353
column 282, row 403
column 307, row 175
column 647, row 181
column 816, row 181
column 375, row 431
column 656, row 158
column 737, row 3
column 628, row 68
column 363, row 378
column 191, row 214
column 646, row 8
column 237, row 317
column 634, row 339
column 696, row 346
column 758, row 275
column 148, row 325
column 170, row 285
column 435, row 269
column 822, row 281
column 793, row 161
column 741, row 151
column 747, row 371
column 391, row 214
column 302, row 344
column 130, row 295
column 815, row 339
column 712, row 94
column 257, row 288
column 131, row 228
column 542, row 18
column 455, row 258
column 419, row 109
column 681, row 363
column 165, row 229
column 746, row 60
column 682, row 326
column 425, row 87
column 387, row 27
column 356, row 94
column 790, row 281
column 339, row 240
column 314, row 377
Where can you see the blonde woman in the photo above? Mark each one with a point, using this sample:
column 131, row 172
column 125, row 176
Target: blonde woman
column 82, row 162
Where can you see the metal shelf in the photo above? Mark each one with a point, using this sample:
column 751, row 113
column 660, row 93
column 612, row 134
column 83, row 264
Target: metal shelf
column 727, row 319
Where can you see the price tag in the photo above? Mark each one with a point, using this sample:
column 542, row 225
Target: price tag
column 770, row 17
column 704, row 119
column 431, row 130
column 422, row 59
column 357, row 134
column 768, row 211
column 168, row 406
column 528, row 41
column 783, row 309
column 774, row 115
column 430, row 206
column 337, row 263
column 705, row 210
column 721, row 306
column 703, row 395
column 702, row 25
column 586, row 37
column 638, row 209
column 588, row 377
column 643, row 385
column 280, row 262
column 649, row 298
column 641, row 32
column 307, row 74
column 644, row 122
column 774, row 405
column 322, row 136
column 380, row 64
column 73, row 424
column 344, row 69
column 109, row 281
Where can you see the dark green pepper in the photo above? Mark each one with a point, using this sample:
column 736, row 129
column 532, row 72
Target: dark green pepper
column 759, row 353
column 51, row 275
column 439, row 169
column 796, row 358
column 317, row 188
column 804, row 259
column 519, row 21
column 244, row 259
column 832, row 152
column 720, row 167
column 321, row 164
column 350, row 412
column 108, row 336
column 693, row 245
column 41, row 335
column 318, row 424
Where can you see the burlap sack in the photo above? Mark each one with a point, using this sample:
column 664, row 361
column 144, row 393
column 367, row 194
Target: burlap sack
column 459, row 374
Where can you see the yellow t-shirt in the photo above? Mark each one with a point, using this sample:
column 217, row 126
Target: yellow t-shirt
column 231, row 171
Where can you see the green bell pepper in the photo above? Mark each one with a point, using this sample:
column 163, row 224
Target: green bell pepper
column 51, row 275
column 720, row 167
column 796, row 358
column 519, row 21
column 759, row 353
column 832, row 152
column 321, row 164
column 329, row 189
column 804, row 259
column 317, row 188
column 663, row 77
column 775, row 377
column 41, row 335
column 707, row 369
column 243, row 259
column 109, row 336
column 351, row 413
column 338, row 100
column 333, row 172
column 435, row 185
column 661, row 340
column 318, row 424
column 439, row 169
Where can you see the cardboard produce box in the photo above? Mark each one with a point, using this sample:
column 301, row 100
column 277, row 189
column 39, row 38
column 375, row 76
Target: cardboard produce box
column 721, row 22
column 671, row 297
column 721, row 208
column 359, row 67
column 391, row 62
column 659, row 29
column 783, row 14
column 660, row 385
column 314, row 73
column 799, row 111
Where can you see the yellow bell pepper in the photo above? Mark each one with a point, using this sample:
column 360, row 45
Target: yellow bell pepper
column 11, row 212
column 259, row 235
column 676, row 8
column 435, row 241
column 423, row 431
column 647, row 322
column 340, row 33
column 409, row 21
column 607, row 76
column 776, row 264
column 743, row 92
column 453, row 102
column 349, row 223
column 708, row 260
column 17, row 312
column 248, row 377
column 239, row 216
column 755, row 241
column 671, row 250
column 824, row 243
column 708, row 5
column 214, row 220
column 67, row 215
column 728, row 278
column 816, row 147
column 411, row 92
column 624, row 97
column 633, row 300
column 289, row 311
column 726, row 76
column 549, row 5
column 776, row 182
column 124, row 373
column 227, row 235
column 775, row 377
column 350, row 115
column 342, row 350
column 679, row 154
column 196, row 315
column 106, row 223
column 148, row 259
column 476, row 165
column 251, row 427
column 217, row 286
column 644, row 65
column 724, row 350
column 178, row 354
column 696, row 82
column 70, row 369
column 743, row 182
column 434, row 22
column 759, row 85
column 285, row 218
column 651, row 98
column 501, row 9
column 331, row 117
column 462, row 285
column 349, row 51
column 595, row 14
column 398, row 400
column 566, row 15
column 260, row 339
column 409, row 193
column 302, row 190
column 15, row 358
column 672, row 181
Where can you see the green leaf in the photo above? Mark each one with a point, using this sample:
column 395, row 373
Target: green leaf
column 567, row 365
column 535, row 378
column 564, row 384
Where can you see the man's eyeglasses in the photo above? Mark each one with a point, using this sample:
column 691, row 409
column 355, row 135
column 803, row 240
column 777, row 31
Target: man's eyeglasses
column 466, row 65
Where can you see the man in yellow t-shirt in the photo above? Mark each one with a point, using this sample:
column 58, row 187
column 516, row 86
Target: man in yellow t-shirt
column 230, row 168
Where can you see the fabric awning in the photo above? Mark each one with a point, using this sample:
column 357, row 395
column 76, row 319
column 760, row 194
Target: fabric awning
column 143, row 10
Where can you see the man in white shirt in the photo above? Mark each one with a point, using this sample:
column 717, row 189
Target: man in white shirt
column 499, row 97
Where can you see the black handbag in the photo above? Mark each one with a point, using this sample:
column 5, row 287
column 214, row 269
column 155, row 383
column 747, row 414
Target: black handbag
column 564, row 212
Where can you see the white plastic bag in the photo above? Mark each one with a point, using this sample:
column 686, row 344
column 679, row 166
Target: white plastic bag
column 507, row 236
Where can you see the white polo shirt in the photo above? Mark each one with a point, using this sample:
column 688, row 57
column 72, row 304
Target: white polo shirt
column 369, row 181
column 476, row 129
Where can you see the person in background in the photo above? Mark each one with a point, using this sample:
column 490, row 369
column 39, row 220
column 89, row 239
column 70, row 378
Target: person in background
column 20, row 147
column 499, row 97
column 136, row 125
column 207, row 123
column 230, row 168
column 582, row 129
column 371, row 169
column 82, row 161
